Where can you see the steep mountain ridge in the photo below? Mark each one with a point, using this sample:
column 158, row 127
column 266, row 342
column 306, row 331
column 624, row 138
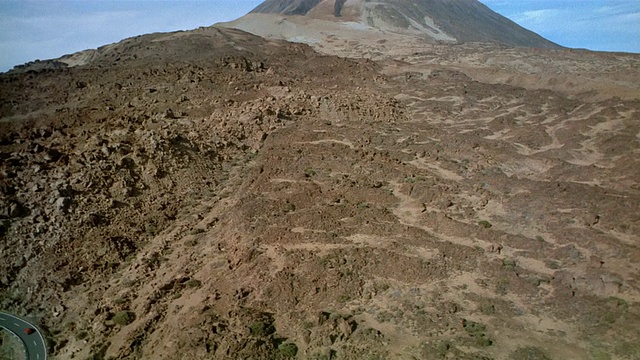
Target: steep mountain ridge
column 460, row 21
column 286, row 7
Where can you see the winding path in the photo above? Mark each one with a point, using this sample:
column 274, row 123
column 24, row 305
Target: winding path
column 34, row 343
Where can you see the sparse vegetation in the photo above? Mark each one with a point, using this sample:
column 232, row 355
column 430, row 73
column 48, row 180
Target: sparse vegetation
column 261, row 329
column 552, row 264
column 288, row 350
column 477, row 331
column 410, row 179
column 81, row 334
column 120, row 300
column 529, row 353
column 473, row 327
column 488, row 309
column 502, row 287
column 614, row 308
column 124, row 318
column 196, row 231
column 485, row 224
column 363, row 205
column 347, row 195
column 289, row 207
column 599, row 354
column 98, row 351
column 307, row 325
column 151, row 230
column 10, row 346
column 154, row 260
column 442, row 347
column 193, row 283
column 483, row 341
column 309, row 172
column 509, row 264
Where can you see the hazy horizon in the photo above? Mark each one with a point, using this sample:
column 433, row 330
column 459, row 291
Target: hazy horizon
column 35, row 29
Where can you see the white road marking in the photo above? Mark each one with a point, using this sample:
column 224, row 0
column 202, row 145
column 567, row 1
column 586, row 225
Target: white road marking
column 16, row 324
column 35, row 343
column 37, row 356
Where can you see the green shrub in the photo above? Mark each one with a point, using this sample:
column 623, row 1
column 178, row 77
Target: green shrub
column 599, row 354
column 473, row 327
column 509, row 264
column 552, row 264
column 488, row 309
column 616, row 303
column 309, row 172
column 485, row 224
column 151, row 230
column 411, row 179
column 119, row 301
column 442, row 347
column 363, row 205
column 477, row 330
column 193, row 283
column 483, row 341
column 529, row 353
column 288, row 350
column 261, row 328
column 124, row 318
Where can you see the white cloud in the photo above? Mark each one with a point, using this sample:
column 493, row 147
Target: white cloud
column 612, row 25
column 616, row 9
column 537, row 16
column 634, row 17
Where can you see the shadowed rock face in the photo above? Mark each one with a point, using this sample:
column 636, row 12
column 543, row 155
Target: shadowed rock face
column 464, row 20
column 338, row 7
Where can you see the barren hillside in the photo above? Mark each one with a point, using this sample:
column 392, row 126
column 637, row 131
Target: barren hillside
column 216, row 195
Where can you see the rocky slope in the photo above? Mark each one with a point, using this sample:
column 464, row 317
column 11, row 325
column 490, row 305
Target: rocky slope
column 212, row 194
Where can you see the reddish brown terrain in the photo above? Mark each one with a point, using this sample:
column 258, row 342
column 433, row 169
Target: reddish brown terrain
column 216, row 195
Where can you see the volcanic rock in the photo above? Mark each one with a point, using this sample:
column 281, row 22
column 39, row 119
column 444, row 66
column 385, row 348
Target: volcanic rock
column 411, row 198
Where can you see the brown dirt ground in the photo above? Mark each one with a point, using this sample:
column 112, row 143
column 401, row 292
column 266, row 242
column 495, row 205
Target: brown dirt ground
column 293, row 204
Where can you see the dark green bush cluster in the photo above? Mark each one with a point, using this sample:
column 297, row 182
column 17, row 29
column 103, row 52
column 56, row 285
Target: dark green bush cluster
column 477, row 331
column 261, row 328
column 124, row 317
column 288, row 350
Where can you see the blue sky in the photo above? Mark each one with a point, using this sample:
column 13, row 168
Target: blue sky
column 603, row 25
column 45, row 29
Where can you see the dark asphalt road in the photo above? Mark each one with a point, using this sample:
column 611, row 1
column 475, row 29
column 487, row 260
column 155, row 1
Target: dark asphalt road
column 34, row 342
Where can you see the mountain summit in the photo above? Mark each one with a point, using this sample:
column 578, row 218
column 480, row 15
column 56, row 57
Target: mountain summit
column 459, row 21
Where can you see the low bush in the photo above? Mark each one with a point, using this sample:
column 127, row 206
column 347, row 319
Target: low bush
column 124, row 318
column 288, row 350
